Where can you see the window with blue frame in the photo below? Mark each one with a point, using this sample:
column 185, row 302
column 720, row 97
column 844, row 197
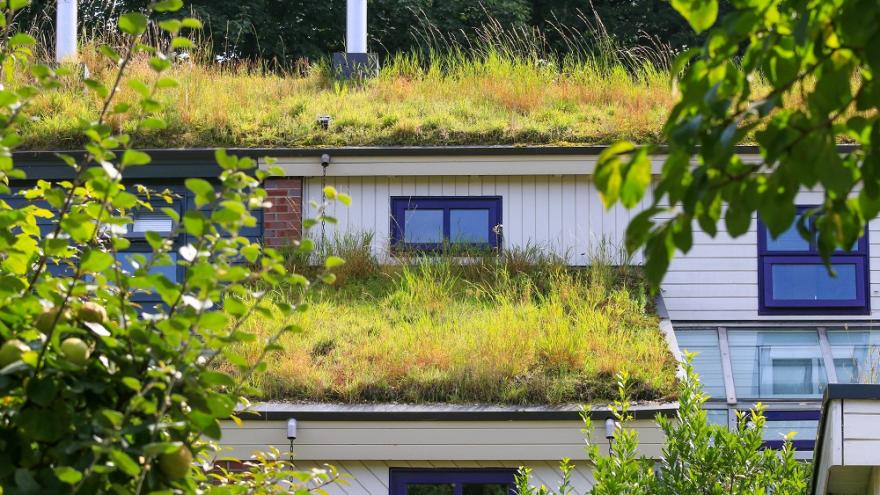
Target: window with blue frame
column 792, row 279
column 451, row 482
column 427, row 223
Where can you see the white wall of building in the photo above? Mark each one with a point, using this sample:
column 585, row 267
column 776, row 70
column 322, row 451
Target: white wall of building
column 371, row 477
column 364, row 451
column 560, row 213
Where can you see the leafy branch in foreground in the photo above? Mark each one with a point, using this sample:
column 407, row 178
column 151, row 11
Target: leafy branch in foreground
column 100, row 392
column 820, row 59
column 696, row 458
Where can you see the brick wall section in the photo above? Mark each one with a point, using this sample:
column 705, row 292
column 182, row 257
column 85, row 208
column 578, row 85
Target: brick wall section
column 282, row 224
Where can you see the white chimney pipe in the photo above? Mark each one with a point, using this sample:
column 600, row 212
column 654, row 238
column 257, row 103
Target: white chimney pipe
column 356, row 26
column 65, row 31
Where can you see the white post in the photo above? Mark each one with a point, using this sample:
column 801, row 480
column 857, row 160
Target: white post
column 65, row 31
column 356, row 27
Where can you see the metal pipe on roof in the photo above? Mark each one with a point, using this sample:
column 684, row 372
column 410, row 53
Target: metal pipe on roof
column 65, row 31
column 356, row 26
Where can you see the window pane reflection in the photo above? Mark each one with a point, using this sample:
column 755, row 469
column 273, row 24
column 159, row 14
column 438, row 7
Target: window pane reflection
column 707, row 362
column 485, row 489
column 423, row 226
column 469, row 226
column 812, row 282
column 776, row 364
column 856, row 355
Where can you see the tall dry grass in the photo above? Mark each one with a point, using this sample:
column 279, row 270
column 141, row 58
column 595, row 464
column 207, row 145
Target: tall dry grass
column 497, row 330
column 500, row 87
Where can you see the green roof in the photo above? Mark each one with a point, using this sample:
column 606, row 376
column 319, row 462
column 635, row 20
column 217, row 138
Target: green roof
column 488, row 102
column 485, row 332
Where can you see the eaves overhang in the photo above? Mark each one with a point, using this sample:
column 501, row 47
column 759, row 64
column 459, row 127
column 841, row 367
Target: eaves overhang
column 275, row 411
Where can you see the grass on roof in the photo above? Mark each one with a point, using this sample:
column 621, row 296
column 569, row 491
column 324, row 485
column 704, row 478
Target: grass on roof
column 488, row 97
column 520, row 329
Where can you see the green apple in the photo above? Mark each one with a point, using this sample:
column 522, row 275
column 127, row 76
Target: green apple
column 11, row 352
column 92, row 312
column 76, row 351
column 175, row 465
column 47, row 319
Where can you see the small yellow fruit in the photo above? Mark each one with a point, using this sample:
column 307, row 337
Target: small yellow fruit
column 92, row 312
column 176, row 464
column 11, row 352
column 46, row 320
column 76, row 351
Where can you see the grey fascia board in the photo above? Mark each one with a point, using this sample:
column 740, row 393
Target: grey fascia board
column 275, row 411
column 833, row 392
column 208, row 153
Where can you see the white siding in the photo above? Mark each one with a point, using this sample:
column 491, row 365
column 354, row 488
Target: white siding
column 561, row 213
column 371, row 477
column 428, row 440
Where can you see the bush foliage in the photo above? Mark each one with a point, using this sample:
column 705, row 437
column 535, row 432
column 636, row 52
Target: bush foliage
column 697, row 458
column 97, row 392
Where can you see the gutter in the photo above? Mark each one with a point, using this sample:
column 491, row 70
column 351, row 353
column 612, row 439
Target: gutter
column 208, row 153
column 279, row 411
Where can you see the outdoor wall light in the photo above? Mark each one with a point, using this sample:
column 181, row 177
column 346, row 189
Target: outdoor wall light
column 291, row 429
column 610, row 426
column 324, row 121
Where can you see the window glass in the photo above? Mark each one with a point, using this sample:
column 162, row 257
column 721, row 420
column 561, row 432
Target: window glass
column 423, row 226
column 485, row 489
column 151, row 222
column 790, row 240
column 707, row 362
column 430, row 489
column 856, row 355
column 776, row 364
column 717, row 417
column 469, row 226
column 810, row 282
column 806, row 429
column 130, row 263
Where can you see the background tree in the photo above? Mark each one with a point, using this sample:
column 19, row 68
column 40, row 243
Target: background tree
column 280, row 32
column 821, row 60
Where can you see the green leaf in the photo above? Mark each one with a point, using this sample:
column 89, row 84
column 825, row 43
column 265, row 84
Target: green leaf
column 333, row 262
column 203, row 190
column 194, row 223
column 94, row 260
column 124, row 462
column 68, row 475
column 168, row 5
column 700, row 14
column 637, row 180
column 609, row 172
column 133, row 23
column 134, row 157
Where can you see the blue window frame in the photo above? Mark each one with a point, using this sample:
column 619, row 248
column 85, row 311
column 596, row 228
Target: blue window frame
column 792, row 278
column 452, row 482
column 780, row 423
column 428, row 223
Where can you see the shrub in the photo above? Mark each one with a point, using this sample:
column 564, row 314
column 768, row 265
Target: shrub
column 100, row 394
column 698, row 457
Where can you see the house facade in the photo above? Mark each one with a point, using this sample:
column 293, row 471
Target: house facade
column 770, row 325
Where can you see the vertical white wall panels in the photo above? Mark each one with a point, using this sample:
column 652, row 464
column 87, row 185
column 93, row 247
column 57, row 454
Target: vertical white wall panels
column 562, row 213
